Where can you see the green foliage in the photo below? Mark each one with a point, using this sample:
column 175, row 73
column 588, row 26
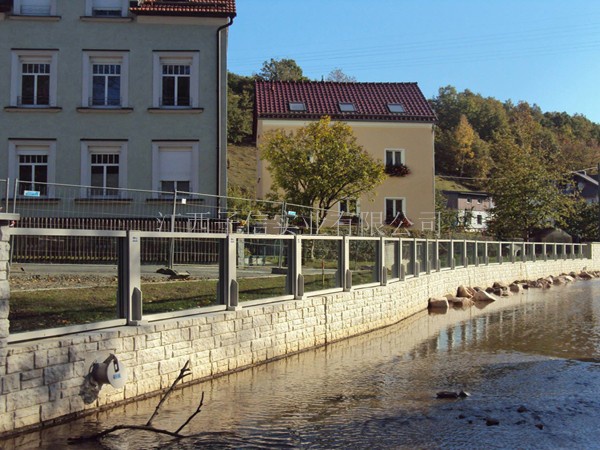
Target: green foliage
column 525, row 155
column 448, row 216
column 281, row 70
column 584, row 222
column 527, row 190
column 319, row 165
column 240, row 105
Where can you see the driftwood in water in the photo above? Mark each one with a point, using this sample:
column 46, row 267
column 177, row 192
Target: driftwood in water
column 184, row 372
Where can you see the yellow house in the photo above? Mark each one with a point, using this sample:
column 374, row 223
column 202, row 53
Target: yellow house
column 392, row 121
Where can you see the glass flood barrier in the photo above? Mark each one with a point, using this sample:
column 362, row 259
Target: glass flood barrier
column 262, row 268
column 320, row 264
column 392, row 251
column 363, row 261
column 408, row 258
column 187, row 274
column 458, row 253
column 471, row 252
column 421, row 256
column 481, row 252
column 80, row 289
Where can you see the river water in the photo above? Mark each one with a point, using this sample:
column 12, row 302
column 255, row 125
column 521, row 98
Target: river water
column 531, row 363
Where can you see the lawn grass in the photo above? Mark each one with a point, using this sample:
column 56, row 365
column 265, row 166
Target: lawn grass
column 51, row 308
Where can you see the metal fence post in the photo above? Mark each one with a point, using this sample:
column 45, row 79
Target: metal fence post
column 228, row 289
column 402, row 271
column 346, row 272
column 381, row 268
column 295, row 268
column 129, row 302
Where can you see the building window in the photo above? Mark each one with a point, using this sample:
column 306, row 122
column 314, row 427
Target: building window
column 349, row 206
column 106, row 8
column 395, row 107
column 103, row 168
column 479, row 219
column 176, row 79
column 297, row 106
column 35, row 84
column 175, row 167
column 347, row 107
column 176, row 85
column 33, row 173
column 105, row 75
column 33, row 164
column 35, row 7
column 33, row 78
column 394, row 209
column 394, row 157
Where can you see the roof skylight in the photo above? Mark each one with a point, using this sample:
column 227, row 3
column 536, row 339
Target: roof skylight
column 347, row 107
column 396, row 107
column 297, row 106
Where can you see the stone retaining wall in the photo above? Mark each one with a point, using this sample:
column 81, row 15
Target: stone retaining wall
column 42, row 381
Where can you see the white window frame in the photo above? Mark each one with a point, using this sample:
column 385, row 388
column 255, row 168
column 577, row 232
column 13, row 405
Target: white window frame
column 395, row 211
column 104, row 57
column 165, row 146
column 18, row 147
column 394, row 152
column 91, row 4
column 88, row 148
column 180, row 58
column 20, row 57
column 18, row 6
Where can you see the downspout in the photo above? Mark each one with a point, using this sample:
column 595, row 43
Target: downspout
column 219, row 121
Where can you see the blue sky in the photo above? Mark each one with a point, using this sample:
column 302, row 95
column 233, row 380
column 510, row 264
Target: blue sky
column 545, row 52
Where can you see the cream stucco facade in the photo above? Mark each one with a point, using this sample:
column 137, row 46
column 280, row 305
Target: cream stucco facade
column 416, row 143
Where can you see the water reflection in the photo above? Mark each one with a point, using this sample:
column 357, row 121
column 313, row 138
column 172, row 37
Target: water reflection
column 527, row 360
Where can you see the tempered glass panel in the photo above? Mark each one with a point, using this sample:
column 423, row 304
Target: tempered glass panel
column 320, row 264
column 363, row 262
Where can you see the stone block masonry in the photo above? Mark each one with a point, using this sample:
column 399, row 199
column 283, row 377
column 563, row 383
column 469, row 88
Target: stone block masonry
column 42, row 380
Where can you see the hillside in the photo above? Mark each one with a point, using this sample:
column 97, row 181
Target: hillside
column 241, row 169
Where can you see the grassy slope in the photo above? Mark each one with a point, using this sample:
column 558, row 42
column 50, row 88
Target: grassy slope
column 241, row 167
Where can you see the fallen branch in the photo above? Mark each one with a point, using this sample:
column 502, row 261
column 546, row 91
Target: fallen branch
column 185, row 371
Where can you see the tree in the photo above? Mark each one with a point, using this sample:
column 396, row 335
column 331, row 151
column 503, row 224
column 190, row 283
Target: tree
column 339, row 76
column 281, row 70
column 527, row 191
column 583, row 223
column 319, row 165
column 240, row 101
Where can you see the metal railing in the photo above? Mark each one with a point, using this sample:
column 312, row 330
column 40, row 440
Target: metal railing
column 241, row 270
column 37, row 201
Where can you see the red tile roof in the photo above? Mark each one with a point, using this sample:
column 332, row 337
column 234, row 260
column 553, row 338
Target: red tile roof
column 210, row 8
column 370, row 101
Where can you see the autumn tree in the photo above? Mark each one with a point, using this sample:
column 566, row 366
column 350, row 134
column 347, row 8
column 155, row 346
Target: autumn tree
column 319, row 165
column 281, row 70
column 527, row 190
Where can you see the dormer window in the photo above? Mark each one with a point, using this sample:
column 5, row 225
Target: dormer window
column 396, row 107
column 297, row 106
column 347, row 107
column 106, row 8
column 35, row 7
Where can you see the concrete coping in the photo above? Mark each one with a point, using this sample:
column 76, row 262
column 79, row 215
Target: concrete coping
column 8, row 217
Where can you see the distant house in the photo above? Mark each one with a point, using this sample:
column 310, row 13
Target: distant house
column 472, row 208
column 392, row 121
column 587, row 185
column 113, row 94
